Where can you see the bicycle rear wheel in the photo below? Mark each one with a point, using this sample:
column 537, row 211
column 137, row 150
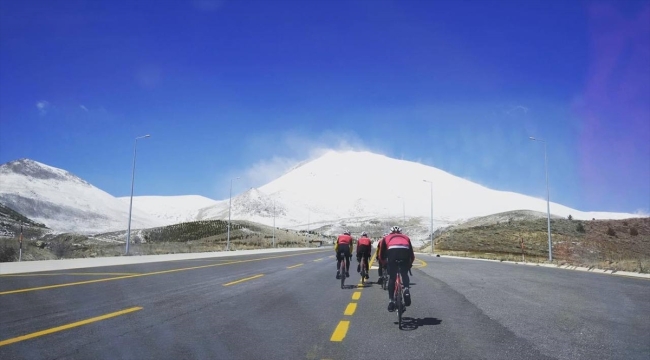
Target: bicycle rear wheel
column 343, row 271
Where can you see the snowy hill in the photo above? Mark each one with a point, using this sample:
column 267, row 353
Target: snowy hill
column 171, row 209
column 341, row 189
column 331, row 189
column 63, row 201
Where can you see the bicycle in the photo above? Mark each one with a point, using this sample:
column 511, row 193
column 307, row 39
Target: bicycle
column 364, row 270
column 384, row 278
column 343, row 269
column 398, row 295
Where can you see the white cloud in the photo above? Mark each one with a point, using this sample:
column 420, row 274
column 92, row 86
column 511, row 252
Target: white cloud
column 43, row 106
column 284, row 152
column 515, row 109
column 83, row 108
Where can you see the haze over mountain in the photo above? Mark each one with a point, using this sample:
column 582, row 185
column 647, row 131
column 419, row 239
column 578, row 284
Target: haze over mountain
column 337, row 189
column 352, row 184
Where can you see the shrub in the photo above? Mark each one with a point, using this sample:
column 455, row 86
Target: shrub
column 570, row 217
column 61, row 249
column 8, row 253
column 580, row 228
column 634, row 231
column 611, row 231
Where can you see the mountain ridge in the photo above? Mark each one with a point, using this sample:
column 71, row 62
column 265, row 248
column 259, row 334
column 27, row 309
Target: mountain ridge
column 333, row 188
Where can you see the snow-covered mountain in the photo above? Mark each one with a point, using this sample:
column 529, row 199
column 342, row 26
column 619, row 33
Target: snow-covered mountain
column 171, row 209
column 339, row 189
column 354, row 186
column 63, row 201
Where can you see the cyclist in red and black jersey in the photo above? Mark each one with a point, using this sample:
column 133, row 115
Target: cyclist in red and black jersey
column 344, row 244
column 364, row 249
column 380, row 266
column 397, row 246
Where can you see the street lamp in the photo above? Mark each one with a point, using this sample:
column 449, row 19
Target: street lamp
column 128, row 231
column 548, row 203
column 229, row 207
column 431, row 183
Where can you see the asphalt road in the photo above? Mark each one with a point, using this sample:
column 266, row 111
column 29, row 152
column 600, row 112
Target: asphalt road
column 290, row 306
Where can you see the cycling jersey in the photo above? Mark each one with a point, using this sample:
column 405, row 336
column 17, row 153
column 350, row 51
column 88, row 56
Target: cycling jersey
column 364, row 240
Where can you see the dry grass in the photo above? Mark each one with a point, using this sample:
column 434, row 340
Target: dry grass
column 594, row 248
column 207, row 236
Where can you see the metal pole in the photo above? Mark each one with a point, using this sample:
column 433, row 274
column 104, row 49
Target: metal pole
column 403, row 211
column 548, row 208
column 548, row 202
column 431, row 184
column 128, row 231
column 20, row 248
column 229, row 206
column 273, row 223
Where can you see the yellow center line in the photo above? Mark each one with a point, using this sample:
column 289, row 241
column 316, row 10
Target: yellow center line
column 68, row 326
column 319, row 259
column 340, row 331
column 67, row 274
column 147, row 274
column 350, row 309
column 294, row 266
column 356, row 295
column 244, row 279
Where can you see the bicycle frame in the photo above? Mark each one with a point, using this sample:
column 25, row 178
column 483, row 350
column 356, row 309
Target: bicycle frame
column 364, row 269
column 398, row 295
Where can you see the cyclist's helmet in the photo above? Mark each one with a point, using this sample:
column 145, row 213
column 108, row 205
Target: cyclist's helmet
column 395, row 230
column 364, row 234
column 346, row 232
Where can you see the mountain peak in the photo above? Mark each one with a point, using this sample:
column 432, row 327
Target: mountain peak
column 34, row 169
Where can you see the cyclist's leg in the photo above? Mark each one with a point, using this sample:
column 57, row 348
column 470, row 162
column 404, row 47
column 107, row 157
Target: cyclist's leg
column 348, row 256
column 366, row 257
column 392, row 274
column 404, row 255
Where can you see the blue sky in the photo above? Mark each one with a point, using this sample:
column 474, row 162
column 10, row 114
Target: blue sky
column 247, row 88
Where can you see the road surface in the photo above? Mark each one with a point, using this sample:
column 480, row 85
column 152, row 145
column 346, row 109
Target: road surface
column 290, row 306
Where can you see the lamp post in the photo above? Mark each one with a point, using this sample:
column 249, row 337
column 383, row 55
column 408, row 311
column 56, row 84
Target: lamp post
column 548, row 202
column 273, row 222
column 128, row 230
column 431, row 184
column 229, row 207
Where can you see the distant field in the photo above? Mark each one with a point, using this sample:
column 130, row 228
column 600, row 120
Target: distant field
column 606, row 244
column 198, row 236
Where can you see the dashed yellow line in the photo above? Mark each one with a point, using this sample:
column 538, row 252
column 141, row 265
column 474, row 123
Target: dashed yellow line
column 356, row 295
column 340, row 331
column 68, row 326
column 148, row 274
column 319, row 259
column 294, row 266
column 350, row 309
column 244, row 279
column 67, row 274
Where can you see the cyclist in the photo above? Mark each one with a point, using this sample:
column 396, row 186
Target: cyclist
column 380, row 266
column 344, row 244
column 364, row 249
column 397, row 246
